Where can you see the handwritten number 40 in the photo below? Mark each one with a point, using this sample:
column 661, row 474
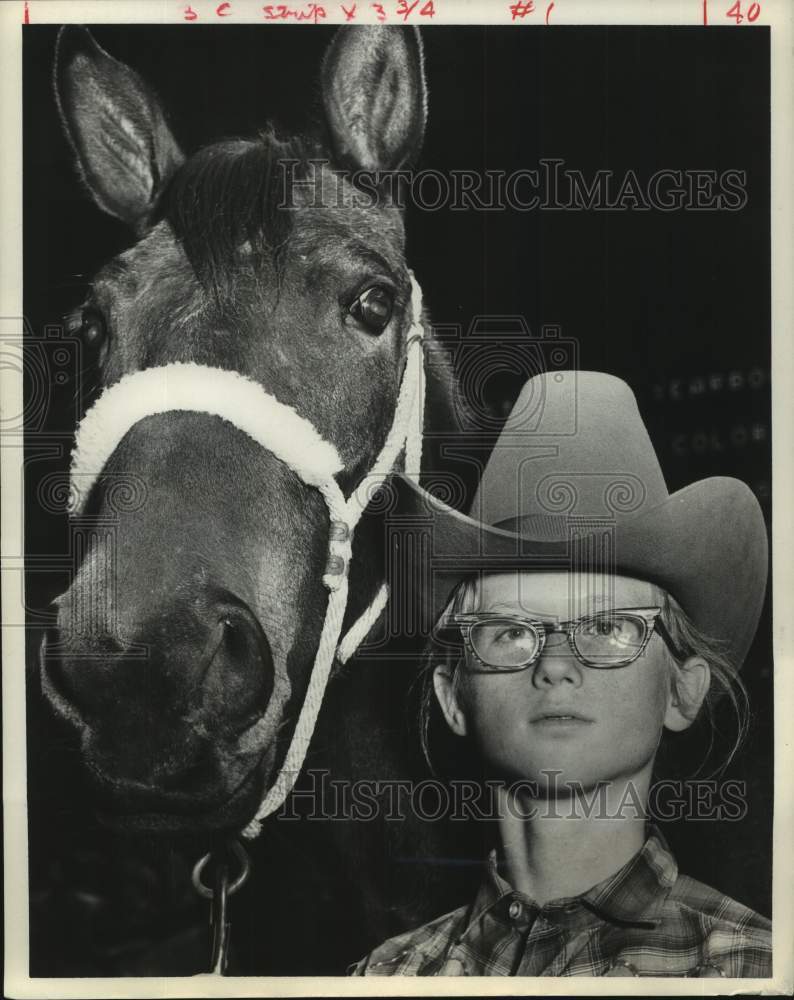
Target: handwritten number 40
column 736, row 12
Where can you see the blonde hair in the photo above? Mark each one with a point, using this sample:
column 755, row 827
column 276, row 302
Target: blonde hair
column 445, row 649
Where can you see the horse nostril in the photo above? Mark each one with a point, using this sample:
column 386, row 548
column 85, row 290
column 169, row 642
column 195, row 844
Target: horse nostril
column 59, row 682
column 237, row 680
column 52, row 674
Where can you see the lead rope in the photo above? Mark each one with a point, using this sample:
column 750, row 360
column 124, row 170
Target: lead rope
column 405, row 434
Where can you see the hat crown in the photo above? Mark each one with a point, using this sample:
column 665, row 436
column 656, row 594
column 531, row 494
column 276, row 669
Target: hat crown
column 574, row 485
column 573, row 446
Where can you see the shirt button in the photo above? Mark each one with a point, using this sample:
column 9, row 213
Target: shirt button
column 515, row 910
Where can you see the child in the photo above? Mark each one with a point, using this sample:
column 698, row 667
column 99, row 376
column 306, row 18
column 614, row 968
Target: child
column 591, row 612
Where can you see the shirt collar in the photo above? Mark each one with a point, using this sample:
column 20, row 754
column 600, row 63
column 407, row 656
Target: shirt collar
column 630, row 897
column 634, row 894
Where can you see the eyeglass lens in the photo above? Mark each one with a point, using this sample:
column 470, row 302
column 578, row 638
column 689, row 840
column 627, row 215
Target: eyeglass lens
column 611, row 639
column 505, row 643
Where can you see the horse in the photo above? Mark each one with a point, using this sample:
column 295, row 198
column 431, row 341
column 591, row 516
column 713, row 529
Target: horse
column 181, row 656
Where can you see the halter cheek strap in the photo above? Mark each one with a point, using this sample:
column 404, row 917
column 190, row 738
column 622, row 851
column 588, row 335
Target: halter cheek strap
column 296, row 442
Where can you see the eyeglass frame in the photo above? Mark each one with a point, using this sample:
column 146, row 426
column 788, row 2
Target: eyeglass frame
column 466, row 621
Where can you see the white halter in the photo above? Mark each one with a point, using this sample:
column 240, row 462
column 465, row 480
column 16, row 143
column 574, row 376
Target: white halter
column 296, row 442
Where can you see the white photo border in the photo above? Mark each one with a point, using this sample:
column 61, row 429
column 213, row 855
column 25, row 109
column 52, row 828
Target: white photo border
column 778, row 16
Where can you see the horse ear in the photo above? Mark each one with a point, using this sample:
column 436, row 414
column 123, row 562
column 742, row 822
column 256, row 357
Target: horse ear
column 124, row 149
column 375, row 95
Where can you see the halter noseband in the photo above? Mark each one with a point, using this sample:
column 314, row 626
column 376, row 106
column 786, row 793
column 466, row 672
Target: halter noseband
column 297, row 443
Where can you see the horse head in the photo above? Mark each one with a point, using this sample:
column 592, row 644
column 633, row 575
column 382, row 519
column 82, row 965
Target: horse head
column 184, row 644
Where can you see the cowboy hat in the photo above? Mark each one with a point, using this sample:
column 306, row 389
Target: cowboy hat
column 574, row 483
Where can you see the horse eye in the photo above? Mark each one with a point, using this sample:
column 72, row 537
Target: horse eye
column 373, row 308
column 93, row 328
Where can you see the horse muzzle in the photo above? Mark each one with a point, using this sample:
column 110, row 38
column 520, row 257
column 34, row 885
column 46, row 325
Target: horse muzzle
column 165, row 720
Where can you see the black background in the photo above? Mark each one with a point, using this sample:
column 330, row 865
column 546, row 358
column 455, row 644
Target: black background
column 656, row 298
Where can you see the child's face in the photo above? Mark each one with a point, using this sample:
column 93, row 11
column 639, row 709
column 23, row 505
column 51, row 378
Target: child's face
column 559, row 715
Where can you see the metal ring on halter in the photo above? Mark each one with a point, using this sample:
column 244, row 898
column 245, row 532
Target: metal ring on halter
column 245, row 870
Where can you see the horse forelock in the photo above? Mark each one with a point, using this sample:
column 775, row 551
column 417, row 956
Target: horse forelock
column 234, row 194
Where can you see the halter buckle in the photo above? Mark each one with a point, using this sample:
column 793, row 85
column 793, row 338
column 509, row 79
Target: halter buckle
column 339, row 531
column 335, row 566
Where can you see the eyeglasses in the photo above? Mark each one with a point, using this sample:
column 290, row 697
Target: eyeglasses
column 605, row 641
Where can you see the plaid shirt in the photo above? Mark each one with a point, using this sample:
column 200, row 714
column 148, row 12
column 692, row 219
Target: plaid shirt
column 646, row 920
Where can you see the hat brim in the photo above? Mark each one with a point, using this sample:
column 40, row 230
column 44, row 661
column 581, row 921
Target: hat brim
column 705, row 545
